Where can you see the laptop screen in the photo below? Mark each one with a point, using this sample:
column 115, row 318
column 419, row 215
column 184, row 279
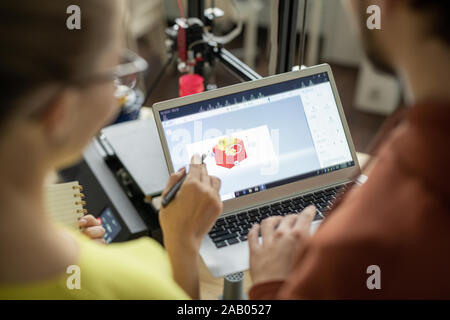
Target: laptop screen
column 261, row 138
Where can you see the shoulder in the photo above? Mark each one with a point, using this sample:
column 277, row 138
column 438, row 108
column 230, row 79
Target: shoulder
column 136, row 269
column 396, row 222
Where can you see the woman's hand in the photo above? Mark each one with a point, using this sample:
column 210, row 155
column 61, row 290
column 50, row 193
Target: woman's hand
column 282, row 238
column 187, row 219
column 92, row 228
column 195, row 208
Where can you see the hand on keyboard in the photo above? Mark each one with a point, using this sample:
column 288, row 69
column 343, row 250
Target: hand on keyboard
column 233, row 229
column 282, row 238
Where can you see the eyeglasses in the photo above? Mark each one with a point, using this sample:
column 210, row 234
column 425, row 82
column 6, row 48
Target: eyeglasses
column 125, row 75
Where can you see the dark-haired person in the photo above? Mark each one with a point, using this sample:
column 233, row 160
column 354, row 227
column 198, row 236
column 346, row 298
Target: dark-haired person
column 57, row 91
column 390, row 237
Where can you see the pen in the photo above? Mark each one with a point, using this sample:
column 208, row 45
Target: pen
column 170, row 195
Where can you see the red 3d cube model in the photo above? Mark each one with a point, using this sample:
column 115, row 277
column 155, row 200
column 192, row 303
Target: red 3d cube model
column 229, row 152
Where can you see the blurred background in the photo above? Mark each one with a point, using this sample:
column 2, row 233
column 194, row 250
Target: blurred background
column 367, row 95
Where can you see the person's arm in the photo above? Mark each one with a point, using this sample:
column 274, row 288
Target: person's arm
column 187, row 219
column 333, row 265
column 272, row 259
column 266, row 290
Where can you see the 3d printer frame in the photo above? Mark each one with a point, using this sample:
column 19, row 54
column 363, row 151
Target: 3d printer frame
column 286, row 43
column 287, row 30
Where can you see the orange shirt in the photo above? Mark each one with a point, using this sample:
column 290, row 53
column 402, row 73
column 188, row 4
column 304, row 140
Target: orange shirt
column 398, row 220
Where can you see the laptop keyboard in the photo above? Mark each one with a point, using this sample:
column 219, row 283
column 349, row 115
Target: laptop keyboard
column 234, row 228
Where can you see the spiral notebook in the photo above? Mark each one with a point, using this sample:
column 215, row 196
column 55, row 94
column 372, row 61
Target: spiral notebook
column 64, row 203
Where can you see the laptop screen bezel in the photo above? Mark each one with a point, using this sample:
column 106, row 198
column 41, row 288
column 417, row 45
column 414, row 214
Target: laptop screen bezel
column 280, row 192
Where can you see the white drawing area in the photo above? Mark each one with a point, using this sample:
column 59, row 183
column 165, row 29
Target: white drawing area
column 237, row 153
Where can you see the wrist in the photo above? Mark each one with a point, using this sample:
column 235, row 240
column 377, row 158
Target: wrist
column 178, row 240
column 183, row 256
column 182, row 245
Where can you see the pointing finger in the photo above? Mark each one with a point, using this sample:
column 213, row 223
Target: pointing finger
column 252, row 238
column 305, row 219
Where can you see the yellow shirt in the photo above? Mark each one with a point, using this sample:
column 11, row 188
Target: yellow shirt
column 137, row 269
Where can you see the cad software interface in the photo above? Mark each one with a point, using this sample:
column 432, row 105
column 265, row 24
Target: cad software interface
column 261, row 138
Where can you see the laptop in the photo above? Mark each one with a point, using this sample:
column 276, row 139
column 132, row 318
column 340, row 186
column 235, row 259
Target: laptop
column 278, row 144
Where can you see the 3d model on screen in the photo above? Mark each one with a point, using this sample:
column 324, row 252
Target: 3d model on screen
column 229, row 152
